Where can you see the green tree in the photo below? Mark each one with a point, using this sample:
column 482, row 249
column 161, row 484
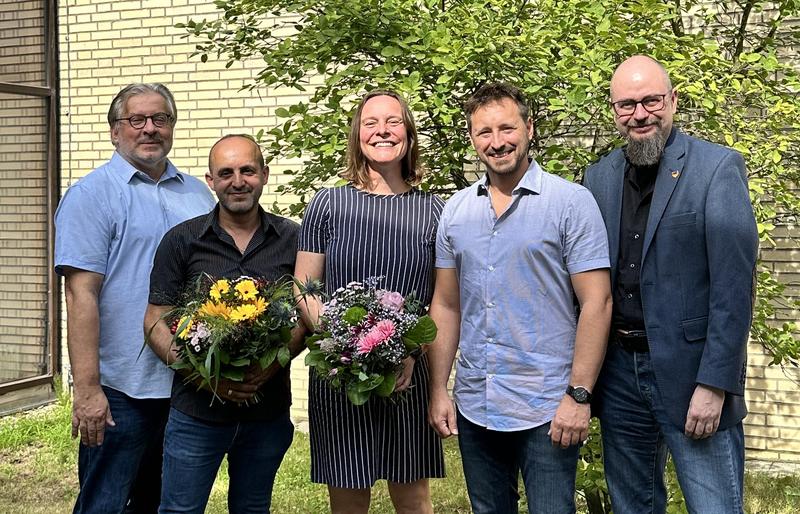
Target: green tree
column 724, row 57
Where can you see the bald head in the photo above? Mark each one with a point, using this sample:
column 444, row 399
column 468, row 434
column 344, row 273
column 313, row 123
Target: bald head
column 644, row 104
column 640, row 68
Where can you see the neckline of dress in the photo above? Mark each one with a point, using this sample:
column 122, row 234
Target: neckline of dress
column 381, row 195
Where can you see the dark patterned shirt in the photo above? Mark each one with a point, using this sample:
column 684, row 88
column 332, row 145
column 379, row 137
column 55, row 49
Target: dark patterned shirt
column 199, row 246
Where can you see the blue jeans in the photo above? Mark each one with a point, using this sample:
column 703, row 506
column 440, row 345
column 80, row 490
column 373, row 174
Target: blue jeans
column 123, row 474
column 492, row 462
column 637, row 435
column 193, row 452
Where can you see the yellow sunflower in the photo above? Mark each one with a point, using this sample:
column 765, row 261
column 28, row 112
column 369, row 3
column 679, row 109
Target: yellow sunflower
column 189, row 322
column 214, row 309
column 246, row 290
column 219, row 288
column 260, row 305
column 244, row 312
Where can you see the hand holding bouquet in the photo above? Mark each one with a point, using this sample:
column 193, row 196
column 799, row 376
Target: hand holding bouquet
column 365, row 333
column 226, row 327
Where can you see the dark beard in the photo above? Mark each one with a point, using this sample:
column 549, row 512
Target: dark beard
column 646, row 152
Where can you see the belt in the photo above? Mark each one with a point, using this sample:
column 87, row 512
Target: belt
column 631, row 340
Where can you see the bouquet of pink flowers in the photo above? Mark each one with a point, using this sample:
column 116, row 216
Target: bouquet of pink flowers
column 364, row 335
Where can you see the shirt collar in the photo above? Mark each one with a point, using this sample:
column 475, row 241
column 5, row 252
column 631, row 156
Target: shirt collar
column 212, row 221
column 531, row 181
column 129, row 171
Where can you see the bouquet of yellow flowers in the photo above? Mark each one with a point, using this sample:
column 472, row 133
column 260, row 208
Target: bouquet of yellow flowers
column 226, row 326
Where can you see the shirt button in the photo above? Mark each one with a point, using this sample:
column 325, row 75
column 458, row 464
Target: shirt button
column 629, row 296
column 632, row 265
column 490, row 340
column 490, row 304
column 489, row 377
column 636, row 236
column 491, row 268
column 494, row 233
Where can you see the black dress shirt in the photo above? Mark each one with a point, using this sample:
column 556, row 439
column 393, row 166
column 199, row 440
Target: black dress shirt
column 199, row 246
column 637, row 194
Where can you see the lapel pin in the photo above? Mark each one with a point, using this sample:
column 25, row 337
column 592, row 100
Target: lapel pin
column 676, row 173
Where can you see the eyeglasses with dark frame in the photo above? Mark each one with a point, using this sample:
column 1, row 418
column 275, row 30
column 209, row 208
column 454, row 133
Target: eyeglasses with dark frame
column 160, row 120
column 650, row 103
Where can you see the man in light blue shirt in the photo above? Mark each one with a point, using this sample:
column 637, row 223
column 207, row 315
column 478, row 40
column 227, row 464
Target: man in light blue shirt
column 108, row 226
column 513, row 251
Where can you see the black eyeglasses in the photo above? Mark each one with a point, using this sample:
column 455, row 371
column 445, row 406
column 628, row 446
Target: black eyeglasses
column 137, row 121
column 650, row 103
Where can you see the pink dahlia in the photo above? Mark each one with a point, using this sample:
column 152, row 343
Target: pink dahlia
column 382, row 331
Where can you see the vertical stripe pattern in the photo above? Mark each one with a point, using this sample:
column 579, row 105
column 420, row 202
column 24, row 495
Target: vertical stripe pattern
column 364, row 235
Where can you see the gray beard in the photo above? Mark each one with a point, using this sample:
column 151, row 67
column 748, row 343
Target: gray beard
column 646, row 152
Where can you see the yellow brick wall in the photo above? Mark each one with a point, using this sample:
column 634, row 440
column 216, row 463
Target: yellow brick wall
column 106, row 44
column 773, row 393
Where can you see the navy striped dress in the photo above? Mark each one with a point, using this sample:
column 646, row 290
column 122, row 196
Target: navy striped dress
column 365, row 235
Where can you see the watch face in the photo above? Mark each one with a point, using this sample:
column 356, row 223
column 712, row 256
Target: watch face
column 580, row 394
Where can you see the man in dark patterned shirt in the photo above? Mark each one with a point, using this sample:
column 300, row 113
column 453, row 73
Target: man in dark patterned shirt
column 237, row 238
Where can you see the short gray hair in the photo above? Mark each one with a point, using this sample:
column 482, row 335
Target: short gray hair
column 117, row 108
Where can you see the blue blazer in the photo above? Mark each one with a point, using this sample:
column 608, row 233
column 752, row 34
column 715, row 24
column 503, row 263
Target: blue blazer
column 697, row 271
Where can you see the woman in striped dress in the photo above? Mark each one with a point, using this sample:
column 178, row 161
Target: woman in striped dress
column 378, row 225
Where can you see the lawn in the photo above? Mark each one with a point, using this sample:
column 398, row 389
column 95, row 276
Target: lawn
column 38, row 461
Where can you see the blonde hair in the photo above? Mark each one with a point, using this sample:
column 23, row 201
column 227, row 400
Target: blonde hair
column 357, row 170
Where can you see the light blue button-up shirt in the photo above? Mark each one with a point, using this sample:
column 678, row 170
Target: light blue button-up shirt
column 518, row 316
column 110, row 222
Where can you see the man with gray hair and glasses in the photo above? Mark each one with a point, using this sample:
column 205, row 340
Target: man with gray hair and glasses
column 108, row 226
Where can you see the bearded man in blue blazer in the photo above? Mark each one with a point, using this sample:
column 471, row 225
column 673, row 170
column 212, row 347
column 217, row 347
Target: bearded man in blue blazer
column 683, row 245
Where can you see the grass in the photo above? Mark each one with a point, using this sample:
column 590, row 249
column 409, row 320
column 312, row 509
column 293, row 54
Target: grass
column 38, row 461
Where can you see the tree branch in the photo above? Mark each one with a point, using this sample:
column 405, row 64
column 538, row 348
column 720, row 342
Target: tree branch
column 737, row 51
column 677, row 22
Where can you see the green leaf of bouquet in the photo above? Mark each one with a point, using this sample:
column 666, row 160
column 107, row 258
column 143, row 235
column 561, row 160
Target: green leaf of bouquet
column 423, row 332
column 180, row 365
column 312, row 342
column 315, row 358
column 386, row 387
column 235, row 374
column 372, row 381
column 244, row 361
column 354, row 315
column 355, row 396
column 224, row 357
column 284, row 356
column 268, row 358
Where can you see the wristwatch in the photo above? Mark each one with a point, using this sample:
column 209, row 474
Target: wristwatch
column 579, row 394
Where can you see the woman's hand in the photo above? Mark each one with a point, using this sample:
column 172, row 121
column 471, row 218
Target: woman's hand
column 404, row 378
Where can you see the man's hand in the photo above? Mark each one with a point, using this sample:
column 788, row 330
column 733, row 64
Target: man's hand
column 404, row 378
column 442, row 414
column 239, row 392
column 705, row 408
column 571, row 423
column 257, row 376
column 90, row 415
